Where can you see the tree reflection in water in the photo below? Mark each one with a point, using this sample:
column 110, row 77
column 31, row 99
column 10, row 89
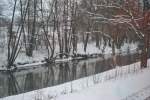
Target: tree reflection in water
column 84, row 70
column 13, row 86
column 64, row 73
column 50, row 76
column 74, row 69
column 54, row 74
column 29, row 82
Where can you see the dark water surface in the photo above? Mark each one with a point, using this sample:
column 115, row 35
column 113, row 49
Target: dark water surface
column 50, row 75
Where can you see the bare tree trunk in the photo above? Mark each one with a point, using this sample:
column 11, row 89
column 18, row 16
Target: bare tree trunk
column 145, row 51
column 32, row 35
column 10, row 35
column 73, row 26
column 66, row 25
column 86, row 42
column 114, row 54
column 14, row 51
column 146, row 30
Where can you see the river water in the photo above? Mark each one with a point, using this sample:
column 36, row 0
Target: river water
column 12, row 83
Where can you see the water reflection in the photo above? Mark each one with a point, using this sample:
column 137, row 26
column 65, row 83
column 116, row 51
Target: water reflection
column 13, row 87
column 49, row 75
column 9, row 85
column 29, row 82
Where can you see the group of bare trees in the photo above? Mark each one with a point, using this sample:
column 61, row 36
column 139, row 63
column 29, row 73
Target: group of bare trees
column 120, row 19
column 54, row 20
column 59, row 22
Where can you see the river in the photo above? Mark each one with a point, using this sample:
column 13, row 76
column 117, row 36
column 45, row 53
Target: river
column 21, row 81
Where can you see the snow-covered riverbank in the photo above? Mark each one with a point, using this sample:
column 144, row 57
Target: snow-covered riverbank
column 39, row 56
column 116, row 84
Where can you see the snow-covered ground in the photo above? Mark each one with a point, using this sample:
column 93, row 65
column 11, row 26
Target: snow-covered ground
column 91, row 48
column 39, row 55
column 127, row 82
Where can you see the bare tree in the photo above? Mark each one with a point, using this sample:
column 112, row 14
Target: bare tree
column 33, row 30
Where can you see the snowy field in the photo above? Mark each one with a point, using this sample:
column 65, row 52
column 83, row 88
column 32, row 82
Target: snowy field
column 122, row 83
